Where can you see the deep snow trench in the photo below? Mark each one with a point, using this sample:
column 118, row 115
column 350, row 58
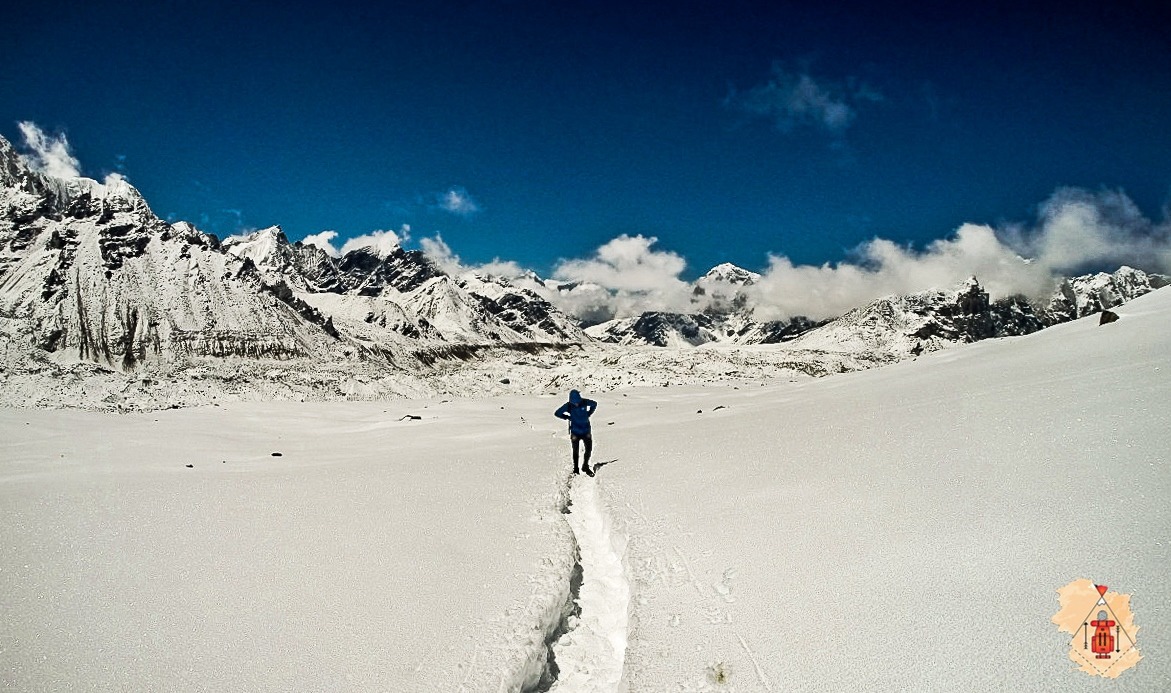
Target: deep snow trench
column 589, row 656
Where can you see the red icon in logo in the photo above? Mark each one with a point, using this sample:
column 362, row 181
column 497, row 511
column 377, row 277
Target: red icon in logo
column 1104, row 642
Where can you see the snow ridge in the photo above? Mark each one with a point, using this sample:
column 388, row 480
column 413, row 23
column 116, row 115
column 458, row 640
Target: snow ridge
column 591, row 656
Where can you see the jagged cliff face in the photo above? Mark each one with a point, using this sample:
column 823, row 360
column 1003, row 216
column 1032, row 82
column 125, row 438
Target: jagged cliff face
column 899, row 326
column 88, row 272
column 374, row 297
column 1094, row 293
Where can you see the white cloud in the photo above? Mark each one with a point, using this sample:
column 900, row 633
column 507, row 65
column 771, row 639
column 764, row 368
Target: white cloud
column 627, row 263
column 382, row 242
column 323, row 240
column 48, row 154
column 1079, row 228
column 885, row 268
column 437, row 250
column 457, row 201
column 507, row 269
column 632, row 278
column 793, row 99
column 1077, row 231
column 593, row 304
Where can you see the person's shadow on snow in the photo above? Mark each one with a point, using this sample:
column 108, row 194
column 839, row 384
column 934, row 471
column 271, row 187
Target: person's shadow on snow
column 599, row 465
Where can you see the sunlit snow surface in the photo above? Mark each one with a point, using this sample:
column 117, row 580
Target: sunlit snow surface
column 904, row 528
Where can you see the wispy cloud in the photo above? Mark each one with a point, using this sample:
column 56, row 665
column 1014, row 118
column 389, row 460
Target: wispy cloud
column 48, row 154
column 323, row 240
column 627, row 263
column 382, row 242
column 1079, row 229
column 457, row 201
column 794, row 99
column 438, row 251
column 883, row 268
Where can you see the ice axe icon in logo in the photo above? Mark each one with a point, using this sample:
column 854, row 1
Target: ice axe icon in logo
column 1104, row 642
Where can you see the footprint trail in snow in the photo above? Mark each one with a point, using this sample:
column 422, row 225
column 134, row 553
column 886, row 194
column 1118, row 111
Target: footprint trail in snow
column 591, row 655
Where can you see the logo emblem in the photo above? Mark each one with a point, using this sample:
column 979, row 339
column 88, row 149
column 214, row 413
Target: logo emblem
column 1102, row 628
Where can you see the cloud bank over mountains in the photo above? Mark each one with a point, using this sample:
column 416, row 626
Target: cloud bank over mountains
column 1076, row 231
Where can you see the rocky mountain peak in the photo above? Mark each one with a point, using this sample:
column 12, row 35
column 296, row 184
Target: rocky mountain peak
column 266, row 247
column 11, row 166
column 26, row 194
column 727, row 273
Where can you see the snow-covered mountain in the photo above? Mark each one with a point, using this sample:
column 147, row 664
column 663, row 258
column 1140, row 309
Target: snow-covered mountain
column 104, row 304
column 1093, row 293
column 888, row 328
column 89, row 273
column 367, row 292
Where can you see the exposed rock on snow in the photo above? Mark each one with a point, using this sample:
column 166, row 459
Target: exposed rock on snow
column 657, row 329
column 1082, row 296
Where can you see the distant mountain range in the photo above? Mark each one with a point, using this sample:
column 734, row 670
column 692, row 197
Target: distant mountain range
column 93, row 283
column 897, row 325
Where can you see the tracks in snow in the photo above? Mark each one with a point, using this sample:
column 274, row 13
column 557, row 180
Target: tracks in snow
column 590, row 655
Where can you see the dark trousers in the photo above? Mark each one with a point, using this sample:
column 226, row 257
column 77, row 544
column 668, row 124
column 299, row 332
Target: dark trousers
column 589, row 447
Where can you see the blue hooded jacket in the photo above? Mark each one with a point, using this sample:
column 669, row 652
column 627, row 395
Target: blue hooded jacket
column 577, row 411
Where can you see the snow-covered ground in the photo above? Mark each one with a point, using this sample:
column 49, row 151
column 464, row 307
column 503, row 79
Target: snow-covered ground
column 903, row 528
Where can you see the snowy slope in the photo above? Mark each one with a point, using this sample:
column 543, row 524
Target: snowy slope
column 373, row 554
column 902, row 528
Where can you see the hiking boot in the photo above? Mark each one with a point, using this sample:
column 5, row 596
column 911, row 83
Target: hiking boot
column 588, row 471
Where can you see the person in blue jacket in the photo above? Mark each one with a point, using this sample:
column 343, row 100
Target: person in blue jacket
column 577, row 412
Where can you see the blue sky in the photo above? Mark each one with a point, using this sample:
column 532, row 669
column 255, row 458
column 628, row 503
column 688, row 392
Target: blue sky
column 538, row 131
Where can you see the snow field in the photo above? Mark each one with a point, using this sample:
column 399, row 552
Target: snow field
column 904, row 528
column 373, row 554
